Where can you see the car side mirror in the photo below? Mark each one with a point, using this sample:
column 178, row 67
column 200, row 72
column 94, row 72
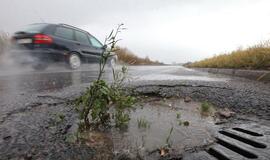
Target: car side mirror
column 104, row 46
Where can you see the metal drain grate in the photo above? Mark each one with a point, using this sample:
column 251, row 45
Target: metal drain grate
column 244, row 142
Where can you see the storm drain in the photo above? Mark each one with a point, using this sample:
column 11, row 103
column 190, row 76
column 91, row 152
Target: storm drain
column 244, row 142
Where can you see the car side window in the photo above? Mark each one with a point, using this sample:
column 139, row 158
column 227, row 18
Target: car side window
column 95, row 42
column 82, row 37
column 64, row 33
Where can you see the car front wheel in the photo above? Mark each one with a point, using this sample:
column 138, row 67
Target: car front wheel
column 112, row 62
column 74, row 61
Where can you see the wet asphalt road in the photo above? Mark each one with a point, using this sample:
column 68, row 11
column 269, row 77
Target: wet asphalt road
column 22, row 82
column 25, row 80
column 22, row 86
column 30, row 101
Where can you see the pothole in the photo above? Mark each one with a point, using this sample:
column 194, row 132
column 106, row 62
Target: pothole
column 157, row 125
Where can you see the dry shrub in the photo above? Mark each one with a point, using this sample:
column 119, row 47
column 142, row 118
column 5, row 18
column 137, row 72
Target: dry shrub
column 255, row 57
column 128, row 57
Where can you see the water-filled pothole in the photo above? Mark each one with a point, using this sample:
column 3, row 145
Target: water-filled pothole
column 150, row 125
column 161, row 116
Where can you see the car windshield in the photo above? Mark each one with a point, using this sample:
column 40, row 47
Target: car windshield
column 33, row 28
column 95, row 42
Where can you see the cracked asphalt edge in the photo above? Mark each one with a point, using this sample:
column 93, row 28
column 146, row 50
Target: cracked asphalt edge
column 246, row 99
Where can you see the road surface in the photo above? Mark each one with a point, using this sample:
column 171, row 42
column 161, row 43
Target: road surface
column 30, row 102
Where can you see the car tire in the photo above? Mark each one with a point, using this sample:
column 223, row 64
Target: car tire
column 40, row 66
column 74, row 61
column 112, row 62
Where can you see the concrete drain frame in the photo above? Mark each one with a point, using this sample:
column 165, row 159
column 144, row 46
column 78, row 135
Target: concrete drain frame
column 242, row 142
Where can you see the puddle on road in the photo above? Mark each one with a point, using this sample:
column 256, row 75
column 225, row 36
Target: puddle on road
column 160, row 115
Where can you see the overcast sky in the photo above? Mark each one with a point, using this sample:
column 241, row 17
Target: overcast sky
column 164, row 30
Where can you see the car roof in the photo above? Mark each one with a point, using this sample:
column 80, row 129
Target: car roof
column 68, row 26
column 64, row 25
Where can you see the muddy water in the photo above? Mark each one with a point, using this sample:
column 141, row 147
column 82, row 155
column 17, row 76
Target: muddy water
column 160, row 116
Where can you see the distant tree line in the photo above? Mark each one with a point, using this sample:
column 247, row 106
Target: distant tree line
column 128, row 57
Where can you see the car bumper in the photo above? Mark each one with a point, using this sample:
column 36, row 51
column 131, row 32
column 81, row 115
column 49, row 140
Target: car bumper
column 29, row 56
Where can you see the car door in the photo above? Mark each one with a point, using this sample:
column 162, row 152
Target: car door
column 63, row 38
column 90, row 53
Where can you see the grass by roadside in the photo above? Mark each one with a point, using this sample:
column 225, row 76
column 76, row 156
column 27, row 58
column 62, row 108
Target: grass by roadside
column 254, row 57
column 128, row 57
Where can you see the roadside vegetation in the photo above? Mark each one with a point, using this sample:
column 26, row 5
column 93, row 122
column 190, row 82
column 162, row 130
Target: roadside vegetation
column 100, row 96
column 127, row 57
column 254, row 57
column 104, row 105
column 206, row 109
column 143, row 123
